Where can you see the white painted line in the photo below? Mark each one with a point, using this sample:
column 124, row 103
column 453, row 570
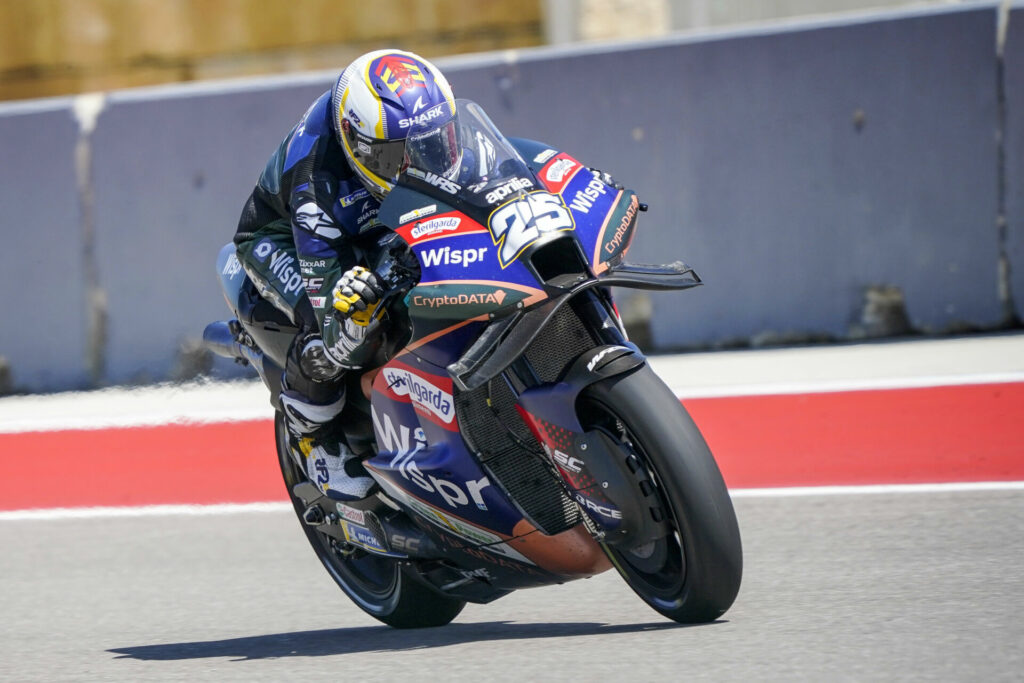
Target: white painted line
column 837, row 386
column 242, row 508
column 953, row 487
column 143, row 511
column 192, row 403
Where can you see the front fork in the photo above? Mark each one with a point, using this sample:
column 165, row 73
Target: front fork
column 596, row 464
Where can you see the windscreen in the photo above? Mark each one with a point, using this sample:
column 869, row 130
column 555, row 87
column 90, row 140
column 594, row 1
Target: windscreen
column 468, row 157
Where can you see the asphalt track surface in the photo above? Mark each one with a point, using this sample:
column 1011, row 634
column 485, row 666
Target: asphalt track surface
column 854, row 587
column 872, row 583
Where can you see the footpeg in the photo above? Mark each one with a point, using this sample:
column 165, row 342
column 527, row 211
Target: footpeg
column 313, row 516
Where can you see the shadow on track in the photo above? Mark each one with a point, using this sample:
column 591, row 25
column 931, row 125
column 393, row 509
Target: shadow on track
column 343, row 641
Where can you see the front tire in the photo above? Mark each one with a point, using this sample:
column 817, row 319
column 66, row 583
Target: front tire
column 692, row 574
column 380, row 586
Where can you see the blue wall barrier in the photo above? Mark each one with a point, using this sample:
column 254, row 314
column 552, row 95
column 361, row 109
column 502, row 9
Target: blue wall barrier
column 793, row 167
column 1014, row 145
column 172, row 172
column 42, row 304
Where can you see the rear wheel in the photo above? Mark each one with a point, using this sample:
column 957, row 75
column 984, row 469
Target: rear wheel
column 692, row 574
column 380, row 586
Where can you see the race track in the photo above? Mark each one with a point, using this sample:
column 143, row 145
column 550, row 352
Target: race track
column 841, row 583
column 854, row 587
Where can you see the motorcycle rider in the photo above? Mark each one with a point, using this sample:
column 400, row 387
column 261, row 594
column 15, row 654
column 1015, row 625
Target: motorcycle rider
column 310, row 226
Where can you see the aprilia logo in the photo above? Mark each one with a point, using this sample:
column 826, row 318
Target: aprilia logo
column 514, row 185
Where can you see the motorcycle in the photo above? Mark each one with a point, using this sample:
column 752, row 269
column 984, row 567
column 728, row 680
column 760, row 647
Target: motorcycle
column 519, row 439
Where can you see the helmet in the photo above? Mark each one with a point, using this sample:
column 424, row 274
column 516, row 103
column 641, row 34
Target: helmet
column 379, row 101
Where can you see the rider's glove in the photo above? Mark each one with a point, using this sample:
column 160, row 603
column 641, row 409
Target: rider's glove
column 357, row 294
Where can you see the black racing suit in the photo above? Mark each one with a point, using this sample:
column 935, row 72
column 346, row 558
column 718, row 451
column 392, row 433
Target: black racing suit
column 309, row 220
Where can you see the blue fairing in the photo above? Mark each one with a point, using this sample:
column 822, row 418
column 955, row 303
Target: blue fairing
column 476, row 238
column 422, row 458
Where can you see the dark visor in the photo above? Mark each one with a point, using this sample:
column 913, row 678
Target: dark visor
column 381, row 157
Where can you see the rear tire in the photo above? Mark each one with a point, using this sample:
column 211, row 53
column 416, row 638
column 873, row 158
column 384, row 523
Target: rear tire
column 693, row 574
column 380, row 586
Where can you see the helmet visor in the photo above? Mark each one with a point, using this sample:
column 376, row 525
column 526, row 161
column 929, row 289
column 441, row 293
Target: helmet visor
column 382, row 158
column 436, row 150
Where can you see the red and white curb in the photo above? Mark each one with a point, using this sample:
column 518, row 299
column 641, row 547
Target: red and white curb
column 209, row 449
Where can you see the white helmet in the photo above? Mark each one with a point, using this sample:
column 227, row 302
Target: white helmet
column 381, row 99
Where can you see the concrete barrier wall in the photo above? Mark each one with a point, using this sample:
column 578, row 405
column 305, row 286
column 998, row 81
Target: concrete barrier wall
column 42, row 304
column 172, row 171
column 1013, row 53
column 794, row 168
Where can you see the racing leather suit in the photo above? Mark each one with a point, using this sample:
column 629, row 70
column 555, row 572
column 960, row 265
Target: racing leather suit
column 309, row 220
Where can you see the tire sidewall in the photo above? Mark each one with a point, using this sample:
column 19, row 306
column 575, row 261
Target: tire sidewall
column 692, row 483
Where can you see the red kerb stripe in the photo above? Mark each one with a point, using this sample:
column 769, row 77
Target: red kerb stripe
column 929, row 435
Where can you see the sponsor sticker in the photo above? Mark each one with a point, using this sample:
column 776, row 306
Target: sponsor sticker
column 558, row 170
column 351, row 199
column 435, row 226
column 263, row 249
column 584, row 199
column 452, row 257
column 592, row 363
column 310, row 267
column 312, row 218
column 369, row 213
column 425, row 117
column 499, row 193
column 603, row 510
column 318, row 301
column 544, row 156
column 619, row 237
column 232, row 266
column 285, row 267
column 351, row 513
column 462, row 299
column 424, row 393
column 445, row 184
column 362, row 536
column 418, row 213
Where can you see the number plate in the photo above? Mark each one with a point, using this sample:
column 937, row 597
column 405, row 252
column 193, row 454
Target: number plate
column 519, row 223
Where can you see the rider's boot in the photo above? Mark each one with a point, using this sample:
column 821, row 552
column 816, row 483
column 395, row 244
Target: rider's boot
column 319, row 447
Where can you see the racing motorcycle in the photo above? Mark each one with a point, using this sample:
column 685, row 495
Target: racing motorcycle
column 517, row 436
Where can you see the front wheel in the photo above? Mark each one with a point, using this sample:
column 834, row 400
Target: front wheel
column 380, row 586
column 692, row 574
